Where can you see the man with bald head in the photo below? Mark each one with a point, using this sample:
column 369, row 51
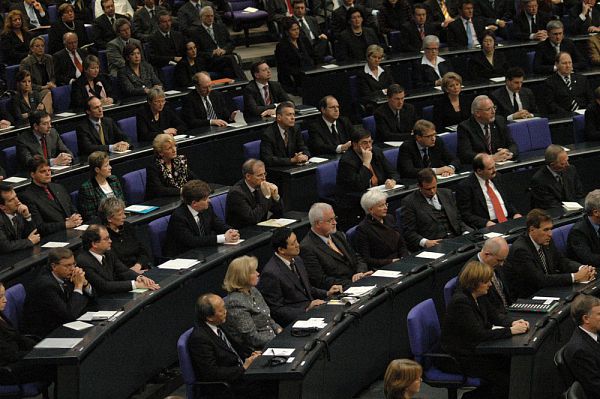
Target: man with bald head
column 206, row 107
column 68, row 62
column 556, row 181
column 485, row 132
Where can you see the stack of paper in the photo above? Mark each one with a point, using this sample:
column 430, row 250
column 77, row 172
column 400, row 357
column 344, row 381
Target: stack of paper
column 97, row 316
column 360, row 291
column 313, row 322
column 382, row 187
column 14, row 179
column 140, row 208
column 281, row 222
column 387, row 273
column 430, row 255
column 55, row 244
column 571, row 206
column 177, row 264
column 394, row 143
column 278, row 352
column 317, row 160
column 58, row 343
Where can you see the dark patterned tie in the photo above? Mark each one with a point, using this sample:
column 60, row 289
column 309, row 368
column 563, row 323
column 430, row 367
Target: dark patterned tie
column 210, row 111
column 426, row 160
column 201, row 227
column 224, row 338
column 498, row 286
column 543, row 259
column 515, row 103
column 488, row 138
column 569, row 84
column 335, row 134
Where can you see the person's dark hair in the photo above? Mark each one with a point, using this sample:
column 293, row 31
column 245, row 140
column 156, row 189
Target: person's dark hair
column 204, row 307
column 55, row 255
column 36, row 117
column 426, row 175
column 359, row 133
column 194, row 190
column 91, row 235
column 351, row 11
column 280, row 237
column 129, row 49
column 394, row 89
column 287, row 23
column 419, row 6
column 478, row 161
column 536, row 217
column 559, row 55
column 298, row 2
column 35, row 162
column 22, row 74
column 255, row 65
column 4, row 188
column 582, row 305
column 283, row 105
column 422, row 126
column 323, row 102
column 514, row 72
column 162, row 13
column 249, row 164
column 120, row 22
column 103, row 3
column 490, row 34
column 87, row 106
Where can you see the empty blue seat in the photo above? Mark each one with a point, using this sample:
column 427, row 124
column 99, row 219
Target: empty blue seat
column 428, row 114
column 252, row 149
column 129, row 127
column 368, row 123
column 391, row 154
column 11, row 72
column 579, row 129
column 9, row 155
column 70, row 140
column 326, row 176
column 61, row 98
column 238, row 101
column 450, row 140
column 449, row 290
column 134, row 186
column 168, row 76
column 560, row 236
column 520, row 135
column 218, row 204
column 158, row 232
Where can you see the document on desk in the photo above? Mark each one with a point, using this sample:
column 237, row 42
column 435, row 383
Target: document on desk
column 278, row 352
column 547, row 299
column 172, row 92
column 504, row 162
column 55, row 244
column 65, row 114
column 571, row 206
column 143, row 209
column 580, row 111
column 317, row 160
column 238, row 120
column 121, row 152
column 97, row 316
column 78, row 325
column 14, row 179
column 238, row 242
column 180, row 137
column 313, row 322
column 499, row 79
column 440, row 177
column 394, row 143
column 59, row 167
column 382, row 187
column 493, row 235
column 360, row 290
column 430, row 255
column 178, row 263
column 329, row 66
column 82, row 227
column 387, row 274
column 281, row 222
column 451, row 128
column 58, row 343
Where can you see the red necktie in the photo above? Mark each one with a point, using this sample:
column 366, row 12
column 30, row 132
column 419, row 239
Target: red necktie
column 500, row 216
column 421, row 32
column 44, row 146
column 288, row 3
column 374, row 180
column 77, row 62
column 48, row 193
column 267, row 95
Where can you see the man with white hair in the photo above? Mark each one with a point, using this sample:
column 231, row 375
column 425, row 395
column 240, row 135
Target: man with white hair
column 327, row 255
column 583, row 243
column 485, row 132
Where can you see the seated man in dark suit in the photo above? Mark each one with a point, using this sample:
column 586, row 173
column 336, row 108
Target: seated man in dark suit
column 42, row 140
column 17, row 230
column 564, row 91
column 204, row 106
column 497, row 10
column 58, row 295
column 252, row 199
column 194, row 223
column 430, row 214
column 485, row 132
column 104, row 30
column 262, row 95
column 583, row 244
column 102, row 267
column 425, row 151
column 513, row 100
column 166, row 46
column 413, row 32
column 494, row 253
column 99, row 133
column 584, row 17
column 145, row 20
column 189, row 14
column 534, row 262
column 49, row 203
column 331, row 133
column 592, row 118
column 215, row 359
column 281, row 143
column 467, row 30
column 327, row 255
column 544, row 62
column 582, row 352
column 284, row 281
column 309, row 27
column 482, row 199
column 68, row 62
column 530, row 24
column 360, row 168
column 395, row 119
column 555, row 182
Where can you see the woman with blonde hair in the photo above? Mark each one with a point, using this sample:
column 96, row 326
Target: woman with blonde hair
column 402, row 379
column 452, row 107
column 169, row 171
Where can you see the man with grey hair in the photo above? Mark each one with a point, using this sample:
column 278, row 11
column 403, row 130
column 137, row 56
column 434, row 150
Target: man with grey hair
column 328, row 257
column 583, row 243
column 252, row 199
column 68, row 62
column 485, row 132
column 556, row 181
column 547, row 50
column 206, row 107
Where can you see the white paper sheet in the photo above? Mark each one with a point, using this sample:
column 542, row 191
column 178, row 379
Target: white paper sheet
column 317, row 160
column 82, row 227
column 381, row 187
column 171, row 92
column 14, row 179
column 65, row 343
column 138, row 208
column 394, row 143
column 78, row 325
column 329, row 66
column 360, row 290
column 387, row 273
column 498, row 79
column 430, row 255
column 278, row 352
column 177, row 264
column 238, row 242
column 55, row 244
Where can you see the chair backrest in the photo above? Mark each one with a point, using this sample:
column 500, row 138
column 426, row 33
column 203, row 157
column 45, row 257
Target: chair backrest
column 158, row 232
column 449, row 290
column 70, row 140
column 218, row 204
column 326, row 176
column 353, row 86
column 15, row 298
column 575, row 392
column 391, row 154
column 428, row 114
column 129, row 127
column 134, row 186
column 11, row 72
column 351, row 235
column 520, row 134
column 305, row 135
column 252, row 149
column 185, row 363
column 52, row 13
column 423, row 329
column 61, row 98
column 563, row 369
column 168, row 76
column 560, row 236
column 539, row 133
column 103, row 61
column 579, row 128
column 368, row 123
column 399, row 224
column 395, row 40
column 9, row 160
column 238, row 101
column 530, row 60
column 46, row 43
column 74, row 197
column 450, row 140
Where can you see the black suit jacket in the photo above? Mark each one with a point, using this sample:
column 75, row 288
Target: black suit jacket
column 457, row 35
column 338, row 18
column 410, row 159
column 12, row 239
column 410, row 39
column 243, row 210
column 502, row 9
column 88, row 139
column 325, row 266
column 579, row 27
column 545, row 54
column 195, row 113
column 426, row 75
column 322, row 141
column 419, row 221
column 525, row 271
column 183, row 233
column 64, row 69
column 254, row 104
column 79, row 92
column 148, row 128
column 163, row 50
column 521, row 29
column 111, row 277
column 368, row 86
column 47, row 306
column 28, row 146
column 505, row 105
column 547, row 193
column 592, row 122
column 103, row 30
column 557, row 97
column 582, row 356
column 58, row 29
column 471, row 139
column 480, row 67
column 206, row 44
column 273, row 151
column 13, row 48
column 444, row 114
column 379, row 243
column 48, row 216
column 350, row 48
column 583, row 244
column 493, row 296
column 143, row 24
column 287, row 294
column 389, row 128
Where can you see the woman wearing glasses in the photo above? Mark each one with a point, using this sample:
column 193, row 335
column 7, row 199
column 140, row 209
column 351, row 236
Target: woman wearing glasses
column 432, row 67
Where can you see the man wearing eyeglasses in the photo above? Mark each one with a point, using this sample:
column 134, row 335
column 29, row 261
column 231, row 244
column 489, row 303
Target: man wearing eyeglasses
column 485, row 132
column 252, row 199
column 331, row 133
column 425, row 151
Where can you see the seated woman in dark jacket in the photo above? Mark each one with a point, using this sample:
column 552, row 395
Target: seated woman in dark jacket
column 453, row 107
column 432, row 67
column 125, row 244
column 488, row 63
column 26, row 99
column 189, row 65
column 469, row 321
column 293, row 53
column 156, row 117
column 378, row 240
column 91, row 83
column 15, row 38
column 102, row 184
column 352, row 44
column 169, row 171
column 373, row 80
column 137, row 77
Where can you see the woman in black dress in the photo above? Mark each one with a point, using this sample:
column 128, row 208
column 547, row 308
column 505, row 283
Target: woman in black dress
column 15, row 38
column 373, row 80
column 156, row 117
column 189, row 65
column 91, row 83
column 352, row 44
column 453, row 107
column 488, row 63
column 293, row 54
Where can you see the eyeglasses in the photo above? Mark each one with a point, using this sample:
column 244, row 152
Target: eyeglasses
column 331, row 220
column 428, row 136
column 432, row 49
column 488, row 109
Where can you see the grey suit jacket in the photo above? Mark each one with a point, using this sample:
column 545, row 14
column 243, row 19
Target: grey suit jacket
column 114, row 54
column 28, row 146
column 28, row 63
